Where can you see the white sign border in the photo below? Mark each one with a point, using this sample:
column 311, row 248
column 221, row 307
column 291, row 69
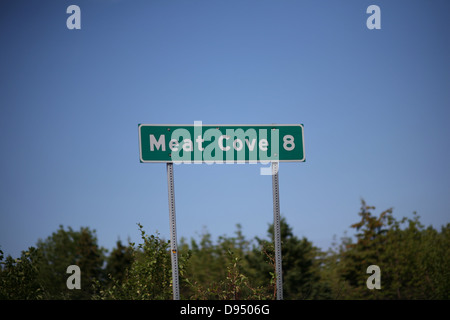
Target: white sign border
column 219, row 125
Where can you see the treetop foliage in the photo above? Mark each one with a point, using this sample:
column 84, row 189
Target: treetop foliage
column 414, row 261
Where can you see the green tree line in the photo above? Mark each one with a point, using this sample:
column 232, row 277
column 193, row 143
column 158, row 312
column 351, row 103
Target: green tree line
column 414, row 261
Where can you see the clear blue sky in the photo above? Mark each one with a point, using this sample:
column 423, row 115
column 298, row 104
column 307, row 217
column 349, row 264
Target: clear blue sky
column 375, row 105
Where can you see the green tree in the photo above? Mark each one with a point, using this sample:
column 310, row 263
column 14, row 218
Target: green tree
column 219, row 270
column 149, row 276
column 19, row 277
column 368, row 250
column 414, row 261
column 300, row 265
column 62, row 249
column 208, row 260
column 118, row 261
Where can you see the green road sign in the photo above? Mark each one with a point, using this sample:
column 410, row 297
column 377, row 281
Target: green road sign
column 221, row 143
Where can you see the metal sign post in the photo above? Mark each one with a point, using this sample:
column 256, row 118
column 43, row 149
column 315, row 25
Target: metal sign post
column 173, row 233
column 277, row 231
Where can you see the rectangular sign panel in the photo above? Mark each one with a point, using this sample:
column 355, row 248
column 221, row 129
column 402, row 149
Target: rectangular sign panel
column 221, row 143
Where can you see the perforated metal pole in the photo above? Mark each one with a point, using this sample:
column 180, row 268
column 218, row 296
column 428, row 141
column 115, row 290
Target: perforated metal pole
column 277, row 231
column 173, row 233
